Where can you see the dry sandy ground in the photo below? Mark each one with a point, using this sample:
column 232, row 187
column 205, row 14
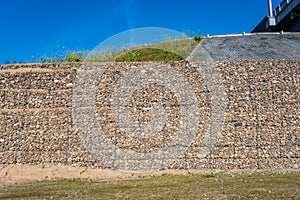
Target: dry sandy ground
column 13, row 174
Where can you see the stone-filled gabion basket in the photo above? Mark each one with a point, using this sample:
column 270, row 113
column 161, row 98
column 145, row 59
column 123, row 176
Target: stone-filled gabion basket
column 152, row 115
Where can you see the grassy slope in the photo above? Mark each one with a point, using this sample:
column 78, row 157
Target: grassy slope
column 256, row 186
column 168, row 50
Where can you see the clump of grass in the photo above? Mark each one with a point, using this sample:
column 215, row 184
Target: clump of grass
column 74, row 57
column 209, row 175
column 70, row 56
column 148, row 54
column 45, row 59
column 198, row 38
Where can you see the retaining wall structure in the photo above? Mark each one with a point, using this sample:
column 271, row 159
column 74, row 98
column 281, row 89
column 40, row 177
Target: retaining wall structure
column 259, row 131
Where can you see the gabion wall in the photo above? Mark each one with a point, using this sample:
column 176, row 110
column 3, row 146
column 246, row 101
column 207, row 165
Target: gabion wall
column 213, row 115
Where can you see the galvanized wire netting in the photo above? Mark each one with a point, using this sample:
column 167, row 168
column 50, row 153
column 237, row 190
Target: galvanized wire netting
column 147, row 116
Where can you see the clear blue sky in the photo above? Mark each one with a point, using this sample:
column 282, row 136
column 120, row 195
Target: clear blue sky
column 30, row 29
